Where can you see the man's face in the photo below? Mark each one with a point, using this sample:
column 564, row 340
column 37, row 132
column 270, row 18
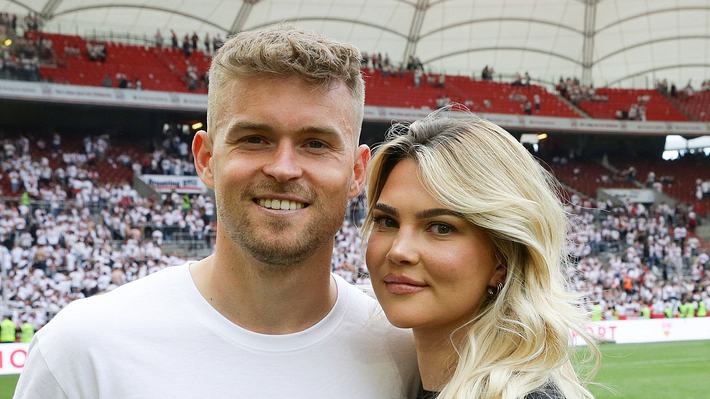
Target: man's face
column 283, row 161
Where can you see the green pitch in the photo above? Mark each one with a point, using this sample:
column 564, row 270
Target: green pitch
column 632, row 371
column 7, row 385
column 654, row 371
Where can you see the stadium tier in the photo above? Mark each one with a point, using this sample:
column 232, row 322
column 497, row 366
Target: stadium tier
column 74, row 223
column 696, row 106
column 400, row 90
column 657, row 106
column 168, row 68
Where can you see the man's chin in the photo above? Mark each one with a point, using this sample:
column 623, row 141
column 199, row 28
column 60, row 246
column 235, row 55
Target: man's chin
column 280, row 258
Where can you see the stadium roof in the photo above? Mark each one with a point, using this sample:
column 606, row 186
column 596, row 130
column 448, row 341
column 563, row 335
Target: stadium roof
column 621, row 42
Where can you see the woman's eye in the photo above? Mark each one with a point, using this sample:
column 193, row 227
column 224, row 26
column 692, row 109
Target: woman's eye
column 441, row 228
column 384, row 222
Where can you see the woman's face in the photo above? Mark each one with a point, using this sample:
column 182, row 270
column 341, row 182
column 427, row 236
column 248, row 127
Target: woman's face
column 430, row 268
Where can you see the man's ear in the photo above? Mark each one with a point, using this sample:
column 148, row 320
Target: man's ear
column 202, row 153
column 362, row 156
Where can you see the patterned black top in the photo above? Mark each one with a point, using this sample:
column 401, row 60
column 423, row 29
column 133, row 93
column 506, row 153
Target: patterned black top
column 546, row 392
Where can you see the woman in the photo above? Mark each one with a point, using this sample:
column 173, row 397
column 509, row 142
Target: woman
column 467, row 241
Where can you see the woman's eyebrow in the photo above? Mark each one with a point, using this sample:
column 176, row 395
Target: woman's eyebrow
column 430, row 213
column 386, row 209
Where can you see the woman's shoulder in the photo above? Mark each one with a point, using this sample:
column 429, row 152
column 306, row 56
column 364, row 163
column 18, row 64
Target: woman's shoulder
column 546, row 392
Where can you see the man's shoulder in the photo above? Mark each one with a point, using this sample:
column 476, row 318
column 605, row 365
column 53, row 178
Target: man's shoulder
column 117, row 308
column 372, row 324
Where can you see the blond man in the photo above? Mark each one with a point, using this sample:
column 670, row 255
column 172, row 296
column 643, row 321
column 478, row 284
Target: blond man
column 262, row 317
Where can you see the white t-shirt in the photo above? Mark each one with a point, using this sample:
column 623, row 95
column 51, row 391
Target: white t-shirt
column 159, row 338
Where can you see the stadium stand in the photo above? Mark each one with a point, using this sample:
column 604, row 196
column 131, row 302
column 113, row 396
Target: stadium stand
column 78, row 232
column 69, row 60
column 73, row 226
column 623, row 101
column 697, row 105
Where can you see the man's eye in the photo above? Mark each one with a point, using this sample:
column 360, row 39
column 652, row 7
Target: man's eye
column 441, row 228
column 254, row 140
column 315, row 144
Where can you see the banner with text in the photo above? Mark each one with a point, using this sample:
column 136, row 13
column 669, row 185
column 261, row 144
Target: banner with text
column 51, row 92
column 12, row 357
column 648, row 330
column 179, row 184
column 632, row 195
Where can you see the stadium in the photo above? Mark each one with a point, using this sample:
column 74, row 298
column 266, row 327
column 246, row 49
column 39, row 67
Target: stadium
column 101, row 101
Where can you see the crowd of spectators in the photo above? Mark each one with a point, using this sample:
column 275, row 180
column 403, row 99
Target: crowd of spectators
column 20, row 57
column 96, row 51
column 65, row 235
column 9, row 23
column 21, row 60
column 573, row 90
column 190, row 43
column 526, row 105
column 636, row 111
column 487, row 73
column 688, row 91
column 171, row 154
column 634, row 256
column 702, row 189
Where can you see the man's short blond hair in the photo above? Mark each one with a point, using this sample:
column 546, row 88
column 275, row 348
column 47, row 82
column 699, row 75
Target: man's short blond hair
column 284, row 52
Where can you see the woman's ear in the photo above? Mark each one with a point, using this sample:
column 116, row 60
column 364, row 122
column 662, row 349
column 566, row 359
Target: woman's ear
column 499, row 275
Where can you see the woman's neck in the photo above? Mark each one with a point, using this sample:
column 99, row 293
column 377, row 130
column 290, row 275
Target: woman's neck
column 436, row 357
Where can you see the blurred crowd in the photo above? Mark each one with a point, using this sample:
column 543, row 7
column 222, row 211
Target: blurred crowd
column 65, row 234
column 635, row 256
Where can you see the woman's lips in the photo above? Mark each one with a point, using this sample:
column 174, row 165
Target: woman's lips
column 400, row 284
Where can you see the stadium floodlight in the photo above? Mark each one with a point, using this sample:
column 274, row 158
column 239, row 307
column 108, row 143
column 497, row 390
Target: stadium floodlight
column 197, row 125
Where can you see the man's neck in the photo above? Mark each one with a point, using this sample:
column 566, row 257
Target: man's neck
column 263, row 300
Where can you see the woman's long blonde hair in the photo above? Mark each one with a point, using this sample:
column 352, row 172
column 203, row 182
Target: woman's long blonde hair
column 520, row 339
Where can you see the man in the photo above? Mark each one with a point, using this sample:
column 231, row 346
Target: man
column 262, row 317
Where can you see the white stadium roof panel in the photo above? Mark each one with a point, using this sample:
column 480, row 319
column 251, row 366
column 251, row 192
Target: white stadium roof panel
column 634, row 41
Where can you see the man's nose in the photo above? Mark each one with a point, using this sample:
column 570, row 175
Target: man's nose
column 283, row 166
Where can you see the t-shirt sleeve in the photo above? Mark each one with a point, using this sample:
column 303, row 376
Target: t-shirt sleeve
column 36, row 379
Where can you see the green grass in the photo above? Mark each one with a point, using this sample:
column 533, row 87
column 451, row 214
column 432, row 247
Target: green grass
column 654, row 371
column 7, row 385
column 632, row 371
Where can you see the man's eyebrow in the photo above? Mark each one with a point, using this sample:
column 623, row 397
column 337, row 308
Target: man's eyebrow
column 246, row 125
column 266, row 128
column 386, row 209
column 320, row 130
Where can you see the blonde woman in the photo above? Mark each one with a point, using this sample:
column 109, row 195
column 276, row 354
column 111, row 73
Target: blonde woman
column 466, row 247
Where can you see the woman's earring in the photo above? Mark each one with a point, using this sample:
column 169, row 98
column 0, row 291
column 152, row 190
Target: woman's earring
column 500, row 288
column 491, row 292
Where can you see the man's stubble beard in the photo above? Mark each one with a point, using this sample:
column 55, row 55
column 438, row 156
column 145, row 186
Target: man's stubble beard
column 266, row 245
